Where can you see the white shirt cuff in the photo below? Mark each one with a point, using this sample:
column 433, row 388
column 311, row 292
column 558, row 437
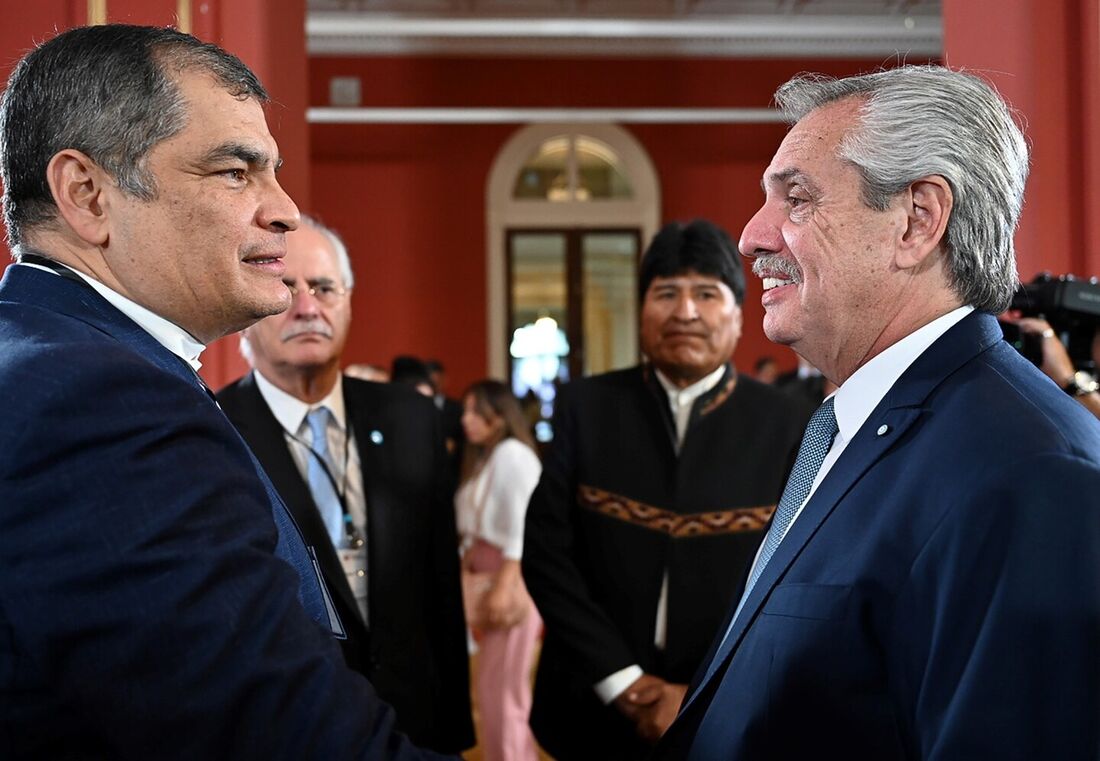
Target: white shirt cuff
column 615, row 685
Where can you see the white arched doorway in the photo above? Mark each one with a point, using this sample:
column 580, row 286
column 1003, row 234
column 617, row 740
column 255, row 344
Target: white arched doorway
column 581, row 186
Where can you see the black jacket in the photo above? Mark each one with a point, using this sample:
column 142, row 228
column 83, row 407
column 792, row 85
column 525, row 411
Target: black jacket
column 615, row 507
column 415, row 650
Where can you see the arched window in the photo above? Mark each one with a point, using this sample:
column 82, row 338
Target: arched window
column 569, row 209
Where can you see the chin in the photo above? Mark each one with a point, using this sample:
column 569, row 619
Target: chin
column 776, row 333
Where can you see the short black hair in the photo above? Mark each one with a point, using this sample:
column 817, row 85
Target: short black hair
column 409, row 369
column 109, row 91
column 697, row 246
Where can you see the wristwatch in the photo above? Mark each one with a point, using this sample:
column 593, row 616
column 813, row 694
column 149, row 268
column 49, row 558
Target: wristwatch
column 1081, row 383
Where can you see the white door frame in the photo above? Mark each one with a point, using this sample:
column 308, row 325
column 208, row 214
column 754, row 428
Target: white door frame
column 503, row 211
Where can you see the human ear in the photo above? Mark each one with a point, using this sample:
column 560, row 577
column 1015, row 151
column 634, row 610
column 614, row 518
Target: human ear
column 928, row 203
column 77, row 185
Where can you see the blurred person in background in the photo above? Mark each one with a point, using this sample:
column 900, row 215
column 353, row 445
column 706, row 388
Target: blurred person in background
column 368, row 372
column 767, row 369
column 412, row 371
column 499, row 472
column 1057, row 365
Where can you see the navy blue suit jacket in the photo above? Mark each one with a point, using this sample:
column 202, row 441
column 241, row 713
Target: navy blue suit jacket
column 939, row 595
column 143, row 611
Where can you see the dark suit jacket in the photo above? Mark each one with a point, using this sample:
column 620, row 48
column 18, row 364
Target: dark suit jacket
column 143, row 613
column 415, row 652
column 939, row 595
column 614, row 508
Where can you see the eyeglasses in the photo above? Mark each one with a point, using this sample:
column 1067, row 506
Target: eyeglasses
column 325, row 293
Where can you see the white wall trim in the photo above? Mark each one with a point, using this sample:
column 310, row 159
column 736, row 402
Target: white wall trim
column 732, row 35
column 326, row 115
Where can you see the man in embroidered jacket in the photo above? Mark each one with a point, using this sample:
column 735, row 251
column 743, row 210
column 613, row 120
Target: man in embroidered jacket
column 655, row 491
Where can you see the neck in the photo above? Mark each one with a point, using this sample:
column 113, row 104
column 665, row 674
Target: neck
column 905, row 323
column 310, row 385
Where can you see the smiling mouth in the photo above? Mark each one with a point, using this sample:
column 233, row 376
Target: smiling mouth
column 776, row 282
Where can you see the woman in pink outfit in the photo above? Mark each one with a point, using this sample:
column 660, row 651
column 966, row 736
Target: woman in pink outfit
column 499, row 471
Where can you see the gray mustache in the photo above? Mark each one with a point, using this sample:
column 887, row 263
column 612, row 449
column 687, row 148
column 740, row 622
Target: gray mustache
column 770, row 263
column 319, row 327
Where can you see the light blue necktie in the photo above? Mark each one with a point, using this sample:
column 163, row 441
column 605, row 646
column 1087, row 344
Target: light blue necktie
column 816, row 442
column 320, row 483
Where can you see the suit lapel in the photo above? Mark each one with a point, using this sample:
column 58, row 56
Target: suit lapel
column 902, row 406
column 264, row 435
column 365, row 419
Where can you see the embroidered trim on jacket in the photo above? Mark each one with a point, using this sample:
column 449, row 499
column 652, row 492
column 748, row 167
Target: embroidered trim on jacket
column 678, row 525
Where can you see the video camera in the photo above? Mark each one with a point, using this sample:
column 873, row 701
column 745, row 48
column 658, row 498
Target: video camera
column 1070, row 305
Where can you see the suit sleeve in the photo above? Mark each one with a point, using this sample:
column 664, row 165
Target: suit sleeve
column 139, row 582
column 551, row 561
column 997, row 633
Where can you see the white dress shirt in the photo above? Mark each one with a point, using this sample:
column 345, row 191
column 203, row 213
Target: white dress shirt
column 291, row 413
column 169, row 335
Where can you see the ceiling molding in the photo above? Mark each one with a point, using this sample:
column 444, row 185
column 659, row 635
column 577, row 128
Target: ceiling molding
column 543, row 115
column 340, row 33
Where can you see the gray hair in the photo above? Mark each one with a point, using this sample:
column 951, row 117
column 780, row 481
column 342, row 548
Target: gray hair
column 333, row 237
column 108, row 91
column 918, row 121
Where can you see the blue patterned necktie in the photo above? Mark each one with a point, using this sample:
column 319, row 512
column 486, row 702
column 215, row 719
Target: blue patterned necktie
column 320, row 483
column 816, row 442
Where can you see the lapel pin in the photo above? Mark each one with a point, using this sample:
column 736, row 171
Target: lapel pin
column 376, row 437
column 883, row 430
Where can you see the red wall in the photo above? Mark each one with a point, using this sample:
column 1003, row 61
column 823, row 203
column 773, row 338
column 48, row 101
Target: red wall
column 1045, row 59
column 410, row 199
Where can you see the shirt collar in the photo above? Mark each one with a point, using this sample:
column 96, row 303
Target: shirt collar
column 681, row 397
column 290, row 411
column 169, row 335
column 857, row 398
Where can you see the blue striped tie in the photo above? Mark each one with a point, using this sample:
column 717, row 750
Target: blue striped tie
column 320, row 483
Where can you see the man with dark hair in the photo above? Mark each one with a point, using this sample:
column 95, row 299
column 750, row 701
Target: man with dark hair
column 413, row 372
column 930, row 585
column 656, row 488
column 158, row 600
column 362, row 468
column 450, row 410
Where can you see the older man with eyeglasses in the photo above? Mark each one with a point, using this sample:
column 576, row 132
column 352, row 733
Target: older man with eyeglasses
column 362, row 468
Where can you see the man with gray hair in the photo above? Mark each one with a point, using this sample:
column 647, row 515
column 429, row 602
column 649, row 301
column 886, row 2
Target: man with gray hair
column 362, row 468
column 930, row 584
column 157, row 600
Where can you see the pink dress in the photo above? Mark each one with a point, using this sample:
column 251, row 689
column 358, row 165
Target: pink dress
column 491, row 507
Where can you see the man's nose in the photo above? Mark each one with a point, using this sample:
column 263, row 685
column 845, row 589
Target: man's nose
column 304, row 303
column 761, row 235
column 278, row 212
column 686, row 308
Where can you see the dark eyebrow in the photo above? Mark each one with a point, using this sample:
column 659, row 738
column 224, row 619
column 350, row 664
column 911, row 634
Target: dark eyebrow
column 244, row 153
